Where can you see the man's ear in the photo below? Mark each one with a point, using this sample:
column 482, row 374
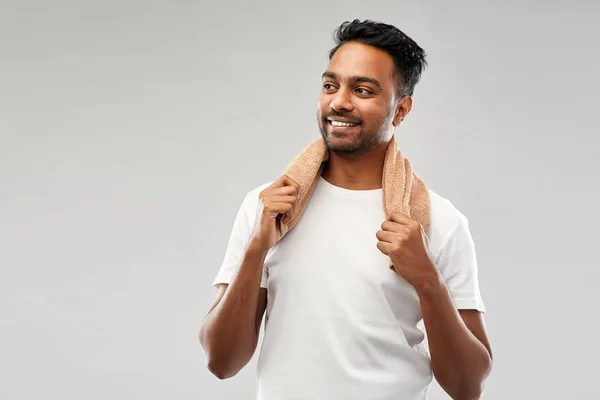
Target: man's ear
column 403, row 107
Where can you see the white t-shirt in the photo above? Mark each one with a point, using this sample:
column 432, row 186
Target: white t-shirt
column 340, row 325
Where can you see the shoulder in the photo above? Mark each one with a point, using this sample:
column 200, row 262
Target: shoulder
column 447, row 221
column 445, row 216
column 454, row 254
column 250, row 201
column 255, row 192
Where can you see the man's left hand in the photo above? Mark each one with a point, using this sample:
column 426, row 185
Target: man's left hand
column 402, row 239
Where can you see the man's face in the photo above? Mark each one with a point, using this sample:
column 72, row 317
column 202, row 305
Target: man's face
column 358, row 88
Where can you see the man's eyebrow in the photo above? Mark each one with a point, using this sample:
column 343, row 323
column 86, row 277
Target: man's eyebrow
column 365, row 79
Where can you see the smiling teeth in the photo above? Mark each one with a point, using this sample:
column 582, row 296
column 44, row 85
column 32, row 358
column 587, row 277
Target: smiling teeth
column 338, row 123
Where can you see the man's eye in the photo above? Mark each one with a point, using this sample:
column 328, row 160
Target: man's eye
column 327, row 86
column 363, row 91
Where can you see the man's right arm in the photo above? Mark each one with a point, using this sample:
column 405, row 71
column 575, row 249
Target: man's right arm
column 230, row 331
column 229, row 334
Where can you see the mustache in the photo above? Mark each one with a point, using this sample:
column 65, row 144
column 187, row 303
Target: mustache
column 341, row 115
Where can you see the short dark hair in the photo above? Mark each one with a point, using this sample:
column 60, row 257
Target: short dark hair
column 409, row 58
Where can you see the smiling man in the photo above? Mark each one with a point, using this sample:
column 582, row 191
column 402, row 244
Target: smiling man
column 340, row 324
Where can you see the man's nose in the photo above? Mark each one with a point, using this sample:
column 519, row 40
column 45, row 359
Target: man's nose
column 342, row 101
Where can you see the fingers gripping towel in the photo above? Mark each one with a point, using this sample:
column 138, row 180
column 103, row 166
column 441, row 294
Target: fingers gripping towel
column 403, row 191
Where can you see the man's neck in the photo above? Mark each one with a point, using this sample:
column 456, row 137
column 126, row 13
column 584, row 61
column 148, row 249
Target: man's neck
column 363, row 173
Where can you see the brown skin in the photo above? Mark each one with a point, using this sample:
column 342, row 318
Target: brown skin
column 229, row 333
column 461, row 357
column 460, row 351
column 357, row 154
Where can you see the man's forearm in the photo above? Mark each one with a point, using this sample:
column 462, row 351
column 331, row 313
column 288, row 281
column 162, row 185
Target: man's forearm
column 228, row 333
column 459, row 360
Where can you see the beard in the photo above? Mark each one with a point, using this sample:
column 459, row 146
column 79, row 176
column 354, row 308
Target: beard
column 353, row 144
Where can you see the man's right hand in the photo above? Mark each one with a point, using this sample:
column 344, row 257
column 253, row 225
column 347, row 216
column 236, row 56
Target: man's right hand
column 276, row 201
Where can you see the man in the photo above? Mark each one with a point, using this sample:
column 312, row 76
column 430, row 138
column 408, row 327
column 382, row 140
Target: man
column 340, row 324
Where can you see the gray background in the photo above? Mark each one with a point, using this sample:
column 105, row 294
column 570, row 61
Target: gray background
column 131, row 130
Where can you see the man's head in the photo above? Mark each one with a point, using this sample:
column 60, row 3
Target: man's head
column 368, row 84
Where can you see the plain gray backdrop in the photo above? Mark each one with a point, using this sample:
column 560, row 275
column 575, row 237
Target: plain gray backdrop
column 131, row 131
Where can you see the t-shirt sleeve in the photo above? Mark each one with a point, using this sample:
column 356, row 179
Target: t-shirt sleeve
column 238, row 242
column 457, row 262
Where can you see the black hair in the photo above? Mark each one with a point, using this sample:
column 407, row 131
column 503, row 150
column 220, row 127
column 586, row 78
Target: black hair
column 409, row 58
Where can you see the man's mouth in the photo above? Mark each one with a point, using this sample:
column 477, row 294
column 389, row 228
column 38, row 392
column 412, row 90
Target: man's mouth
column 342, row 124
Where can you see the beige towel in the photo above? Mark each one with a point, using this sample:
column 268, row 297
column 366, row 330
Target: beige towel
column 403, row 191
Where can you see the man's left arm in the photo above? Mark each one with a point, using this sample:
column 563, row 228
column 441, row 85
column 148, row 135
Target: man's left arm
column 461, row 357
